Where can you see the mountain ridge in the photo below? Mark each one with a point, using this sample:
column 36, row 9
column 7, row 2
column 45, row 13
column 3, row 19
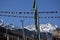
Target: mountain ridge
column 49, row 27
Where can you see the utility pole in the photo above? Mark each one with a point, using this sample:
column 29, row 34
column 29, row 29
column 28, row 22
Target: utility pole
column 18, row 38
column 36, row 17
column 7, row 36
column 46, row 35
column 23, row 29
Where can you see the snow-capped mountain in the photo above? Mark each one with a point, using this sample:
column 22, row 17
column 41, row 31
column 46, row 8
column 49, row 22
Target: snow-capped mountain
column 49, row 27
column 9, row 26
column 1, row 22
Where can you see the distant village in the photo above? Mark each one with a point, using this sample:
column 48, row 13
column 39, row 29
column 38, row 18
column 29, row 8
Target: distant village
column 9, row 33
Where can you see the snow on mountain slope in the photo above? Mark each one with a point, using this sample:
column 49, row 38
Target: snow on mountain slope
column 1, row 22
column 49, row 27
column 9, row 26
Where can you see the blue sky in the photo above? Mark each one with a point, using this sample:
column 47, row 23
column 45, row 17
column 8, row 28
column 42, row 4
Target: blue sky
column 26, row 6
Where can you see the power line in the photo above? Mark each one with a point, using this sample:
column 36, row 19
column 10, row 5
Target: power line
column 42, row 12
column 42, row 17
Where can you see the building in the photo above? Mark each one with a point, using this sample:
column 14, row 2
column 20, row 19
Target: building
column 56, row 34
